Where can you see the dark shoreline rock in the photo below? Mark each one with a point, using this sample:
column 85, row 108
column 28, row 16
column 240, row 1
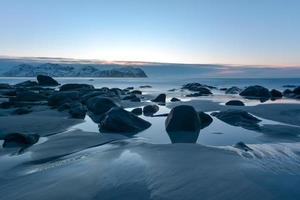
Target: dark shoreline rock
column 149, row 110
column 20, row 140
column 234, row 103
column 183, row 118
column 256, row 92
column 118, row 120
column 44, row 80
column 161, row 98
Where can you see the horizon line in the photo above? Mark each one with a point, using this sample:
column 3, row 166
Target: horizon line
column 137, row 62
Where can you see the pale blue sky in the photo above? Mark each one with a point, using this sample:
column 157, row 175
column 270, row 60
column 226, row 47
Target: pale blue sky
column 188, row 31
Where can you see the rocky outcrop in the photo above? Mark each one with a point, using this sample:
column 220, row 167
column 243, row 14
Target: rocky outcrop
column 44, row 80
column 118, row 120
column 75, row 87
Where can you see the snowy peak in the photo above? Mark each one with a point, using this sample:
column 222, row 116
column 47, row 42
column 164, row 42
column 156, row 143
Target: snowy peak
column 59, row 70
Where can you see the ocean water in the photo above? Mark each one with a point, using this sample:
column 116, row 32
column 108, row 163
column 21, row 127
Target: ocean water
column 162, row 83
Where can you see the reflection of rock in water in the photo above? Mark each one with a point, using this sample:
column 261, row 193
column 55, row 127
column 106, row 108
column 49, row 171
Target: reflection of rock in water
column 183, row 137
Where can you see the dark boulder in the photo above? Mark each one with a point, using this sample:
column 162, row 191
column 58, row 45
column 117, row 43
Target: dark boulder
column 118, row 120
column 161, row 98
column 20, row 140
column 76, row 87
column 77, row 110
column 100, row 105
column 223, row 89
column 205, row 119
column 276, row 94
column 174, row 99
column 137, row 111
column 44, row 80
column 22, row 111
column 233, row 90
column 145, row 86
column 238, row 118
column 234, row 103
column 150, row 110
column 183, row 118
column 256, row 92
column 60, row 98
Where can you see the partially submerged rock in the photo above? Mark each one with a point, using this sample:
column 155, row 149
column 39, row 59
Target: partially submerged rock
column 256, row 92
column 76, row 87
column 196, row 87
column 145, row 86
column 161, row 98
column 20, row 140
column 235, row 103
column 238, row 118
column 149, row 110
column 118, row 120
column 183, row 118
column 44, row 80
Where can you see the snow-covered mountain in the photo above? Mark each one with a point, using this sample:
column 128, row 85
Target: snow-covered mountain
column 60, row 70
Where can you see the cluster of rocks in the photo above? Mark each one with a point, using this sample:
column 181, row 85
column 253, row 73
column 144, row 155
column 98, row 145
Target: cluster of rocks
column 198, row 89
column 260, row 92
column 295, row 93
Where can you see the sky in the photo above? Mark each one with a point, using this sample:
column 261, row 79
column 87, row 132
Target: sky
column 249, row 32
